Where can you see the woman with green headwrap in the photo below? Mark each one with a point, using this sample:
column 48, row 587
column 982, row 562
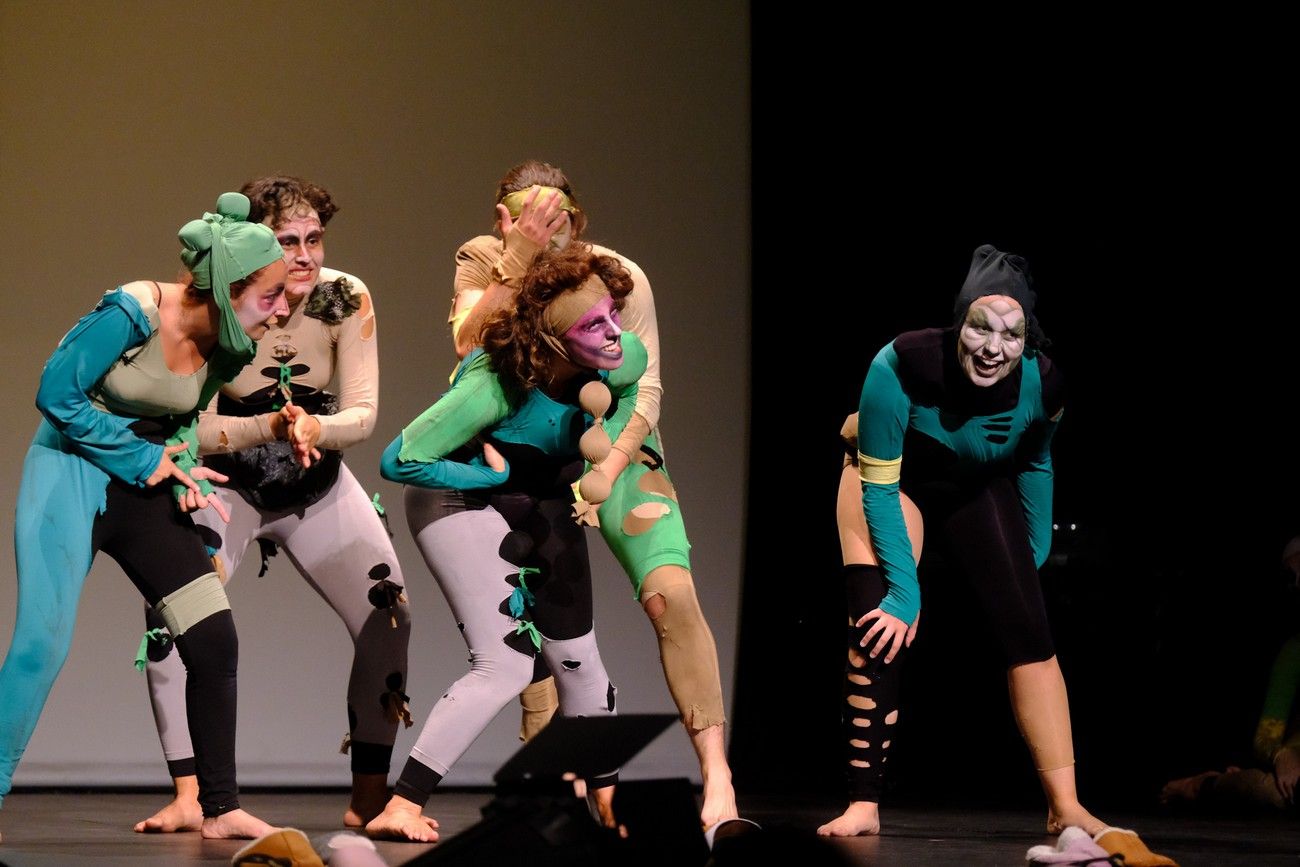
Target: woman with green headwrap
column 313, row 387
column 113, row 467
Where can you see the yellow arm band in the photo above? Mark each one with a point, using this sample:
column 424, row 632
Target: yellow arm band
column 874, row 471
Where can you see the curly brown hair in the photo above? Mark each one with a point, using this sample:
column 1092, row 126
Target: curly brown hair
column 276, row 197
column 511, row 335
column 537, row 173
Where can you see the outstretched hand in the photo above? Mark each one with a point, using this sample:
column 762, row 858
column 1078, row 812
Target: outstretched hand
column 167, row 470
column 1286, row 768
column 538, row 220
column 194, row 499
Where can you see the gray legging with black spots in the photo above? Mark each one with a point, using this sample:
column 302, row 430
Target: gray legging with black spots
column 341, row 547
column 479, row 551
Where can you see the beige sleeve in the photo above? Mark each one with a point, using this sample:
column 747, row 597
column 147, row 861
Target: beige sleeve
column 474, row 261
column 634, row 433
column 639, row 318
column 229, row 433
column 477, row 264
column 517, row 255
column 356, row 359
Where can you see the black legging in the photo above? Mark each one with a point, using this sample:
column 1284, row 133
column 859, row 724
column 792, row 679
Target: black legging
column 161, row 551
column 982, row 530
column 544, row 534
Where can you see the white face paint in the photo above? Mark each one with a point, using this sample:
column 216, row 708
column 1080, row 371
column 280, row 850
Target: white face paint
column 991, row 339
column 564, row 234
column 302, row 238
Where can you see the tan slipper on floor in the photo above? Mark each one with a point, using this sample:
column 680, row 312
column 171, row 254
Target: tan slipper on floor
column 284, row 847
column 1121, row 841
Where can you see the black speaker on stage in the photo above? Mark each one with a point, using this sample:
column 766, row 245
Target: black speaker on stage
column 536, row 820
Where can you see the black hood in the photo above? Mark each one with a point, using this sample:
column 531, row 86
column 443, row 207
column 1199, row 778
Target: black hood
column 993, row 272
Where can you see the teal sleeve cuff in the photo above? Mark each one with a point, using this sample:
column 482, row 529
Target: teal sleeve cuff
column 893, row 550
column 475, row 475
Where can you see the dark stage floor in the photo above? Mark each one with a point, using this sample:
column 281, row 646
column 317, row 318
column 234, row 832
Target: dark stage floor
column 54, row 829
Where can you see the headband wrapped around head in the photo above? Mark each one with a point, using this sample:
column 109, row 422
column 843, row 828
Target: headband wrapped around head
column 514, row 202
column 221, row 249
column 993, row 272
column 567, row 308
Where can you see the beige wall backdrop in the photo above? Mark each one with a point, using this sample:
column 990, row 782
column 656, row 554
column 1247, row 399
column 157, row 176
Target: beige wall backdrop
column 120, row 121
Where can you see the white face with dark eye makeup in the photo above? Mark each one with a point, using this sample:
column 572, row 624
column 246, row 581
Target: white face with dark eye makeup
column 991, row 339
column 302, row 238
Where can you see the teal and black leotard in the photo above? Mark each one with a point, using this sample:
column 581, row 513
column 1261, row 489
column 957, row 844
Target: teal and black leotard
column 977, row 462
column 505, row 549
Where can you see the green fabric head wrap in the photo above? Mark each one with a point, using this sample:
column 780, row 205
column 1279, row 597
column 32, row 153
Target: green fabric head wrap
column 221, row 249
column 514, row 202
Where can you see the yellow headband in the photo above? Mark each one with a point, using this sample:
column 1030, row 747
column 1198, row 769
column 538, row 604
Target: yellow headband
column 514, row 202
column 565, row 311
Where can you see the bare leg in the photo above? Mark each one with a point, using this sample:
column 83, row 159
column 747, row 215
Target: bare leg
column 235, row 825
column 1042, row 711
column 369, row 794
column 182, row 814
column 539, row 701
column 719, row 795
column 690, row 662
column 402, row 819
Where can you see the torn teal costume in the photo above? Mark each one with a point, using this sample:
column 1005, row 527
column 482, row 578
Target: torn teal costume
column 914, row 394
column 77, row 448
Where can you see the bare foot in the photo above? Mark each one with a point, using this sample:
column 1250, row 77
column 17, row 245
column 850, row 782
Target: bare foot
column 235, row 825
column 719, row 796
column 182, row 814
column 402, row 820
column 719, row 801
column 1185, row 789
column 603, row 801
column 369, row 794
column 862, row 818
column 1059, row 820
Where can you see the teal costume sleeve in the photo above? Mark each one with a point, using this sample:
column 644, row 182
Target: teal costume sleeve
column 1279, row 701
column 882, row 423
column 443, row 473
column 475, row 402
column 1034, row 481
column 81, row 360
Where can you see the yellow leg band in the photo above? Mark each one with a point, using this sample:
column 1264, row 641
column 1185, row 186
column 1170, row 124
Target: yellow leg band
column 197, row 600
